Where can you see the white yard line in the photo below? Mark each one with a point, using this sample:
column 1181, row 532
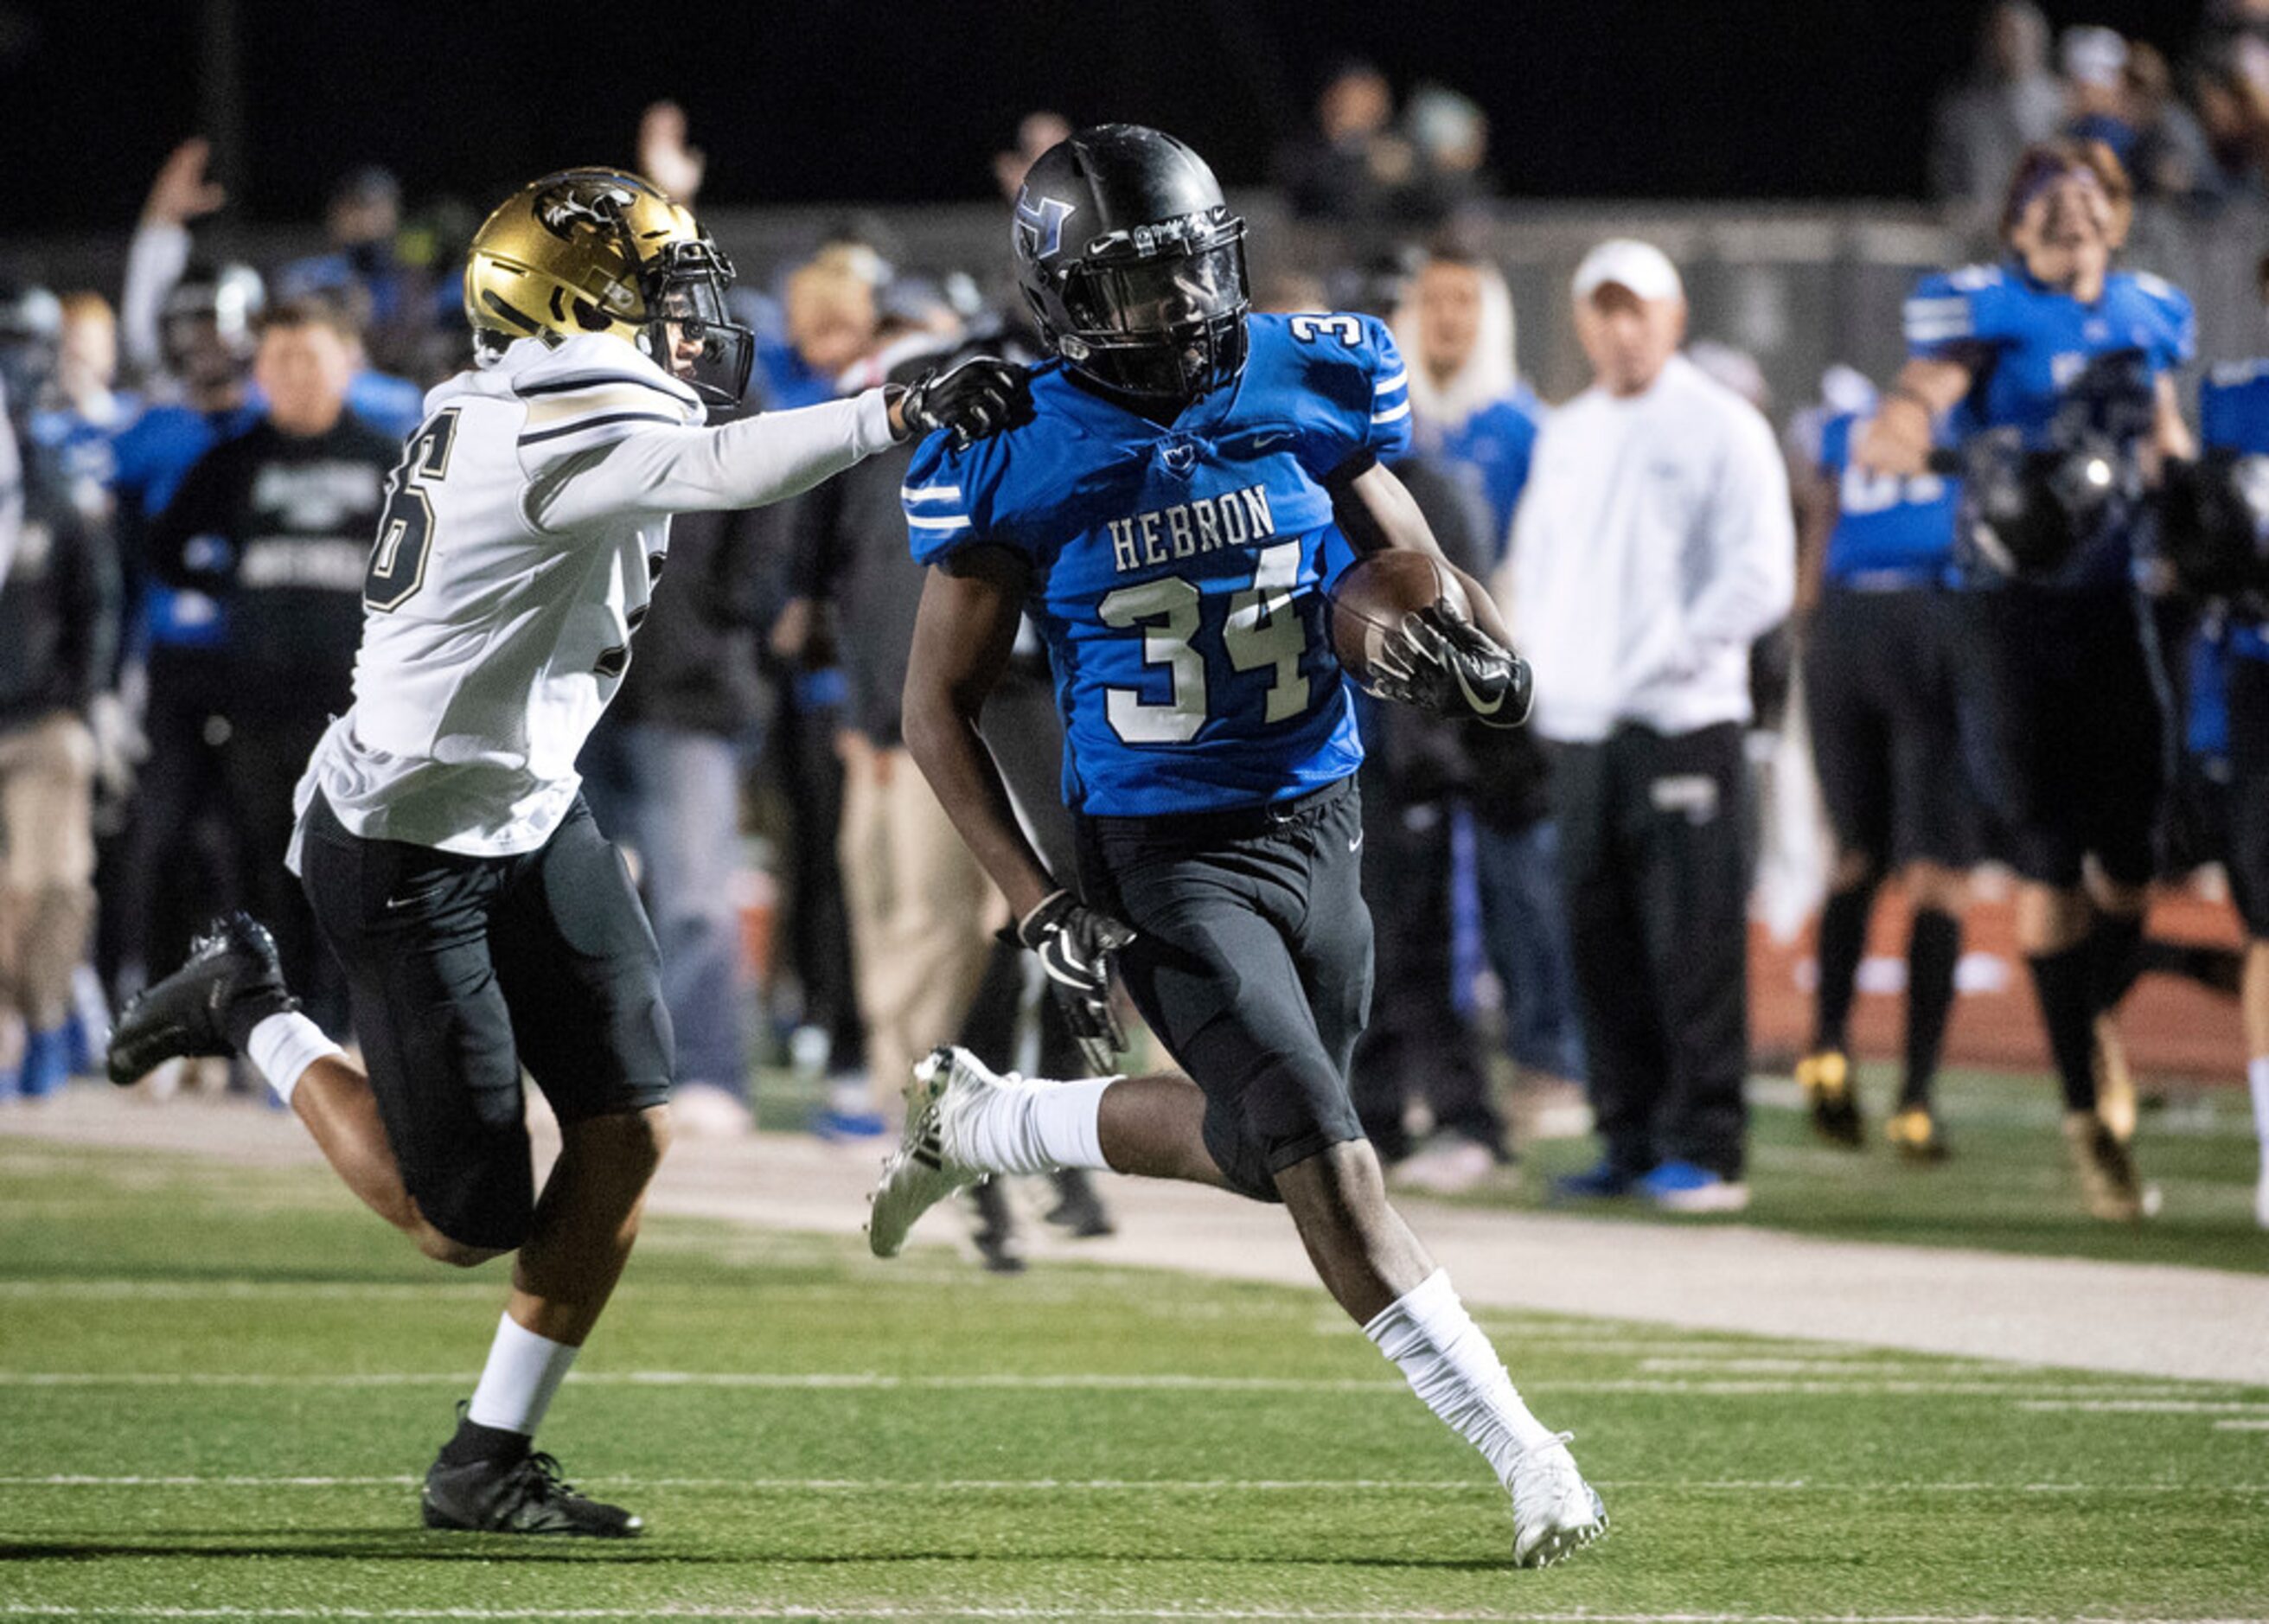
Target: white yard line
column 759, row 1610
column 1150, row 1486
column 786, row 1611
column 2031, row 1395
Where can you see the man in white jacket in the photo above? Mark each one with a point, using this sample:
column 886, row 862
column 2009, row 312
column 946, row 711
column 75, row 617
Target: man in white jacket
column 484, row 922
column 1653, row 545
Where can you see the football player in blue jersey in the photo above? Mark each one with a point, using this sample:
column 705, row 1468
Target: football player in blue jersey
column 1167, row 519
column 1879, row 684
column 2054, row 374
column 2218, row 541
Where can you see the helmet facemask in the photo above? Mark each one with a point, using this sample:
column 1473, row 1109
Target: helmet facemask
column 1158, row 313
column 684, row 288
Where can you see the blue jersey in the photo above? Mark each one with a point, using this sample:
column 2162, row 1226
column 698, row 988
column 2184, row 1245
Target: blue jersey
column 1176, row 572
column 2046, row 368
column 1496, row 443
column 2027, row 345
column 1886, row 527
column 2233, row 416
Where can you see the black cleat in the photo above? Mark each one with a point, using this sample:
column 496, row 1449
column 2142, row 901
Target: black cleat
column 522, row 1496
column 1825, row 1076
column 1078, row 1209
column 994, row 1233
column 231, row 968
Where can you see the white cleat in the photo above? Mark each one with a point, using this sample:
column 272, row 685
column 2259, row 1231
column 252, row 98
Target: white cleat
column 922, row 1171
column 1554, row 1512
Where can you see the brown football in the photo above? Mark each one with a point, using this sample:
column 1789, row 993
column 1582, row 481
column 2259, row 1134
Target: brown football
column 1375, row 594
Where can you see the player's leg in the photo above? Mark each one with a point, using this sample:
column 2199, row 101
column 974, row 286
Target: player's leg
column 47, row 872
column 2249, row 867
column 577, row 968
column 1852, row 748
column 1937, row 896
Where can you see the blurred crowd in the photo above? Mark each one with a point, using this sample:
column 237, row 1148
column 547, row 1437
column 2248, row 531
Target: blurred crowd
column 203, row 450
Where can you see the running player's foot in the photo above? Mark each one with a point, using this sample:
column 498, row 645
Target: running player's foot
column 522, row 1496
column 1554, row 1512
column 2115, row 1082
column 1079, row 1209
column 2106, row 1171
column 1825, row 1076
column 1913, row 1132
column 231, row 968
column 922, row 1171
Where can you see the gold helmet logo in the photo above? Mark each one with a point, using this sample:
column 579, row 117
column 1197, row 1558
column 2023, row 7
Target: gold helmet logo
column 606, row 251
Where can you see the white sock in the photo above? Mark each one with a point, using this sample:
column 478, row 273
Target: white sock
column 2256, row 1077
column 523, row 1371
column 1452, row 1366
column 283, row 1046
column 1035, row 1128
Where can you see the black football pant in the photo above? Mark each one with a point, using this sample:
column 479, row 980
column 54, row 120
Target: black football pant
column 1651, row 852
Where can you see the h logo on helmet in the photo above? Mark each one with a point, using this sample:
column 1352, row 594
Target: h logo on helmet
column 561, row 211
column 1042, row 224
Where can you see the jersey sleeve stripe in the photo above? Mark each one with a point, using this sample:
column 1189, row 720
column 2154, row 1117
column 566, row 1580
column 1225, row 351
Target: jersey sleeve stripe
column 600, row 421
column 951, row 522
column 1391, row 413
column 929, row 493
column 1388, row 385
column 593, row 380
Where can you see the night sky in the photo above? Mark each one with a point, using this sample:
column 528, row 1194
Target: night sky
column 808, row 102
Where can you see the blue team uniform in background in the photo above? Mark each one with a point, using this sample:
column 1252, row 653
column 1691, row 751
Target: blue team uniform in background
column 2028, row 344
column 1177, row 571
column 1890, row 532
column 1495, row 445
column 2233, row 416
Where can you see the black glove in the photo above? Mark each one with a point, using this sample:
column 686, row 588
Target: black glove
column 982, row 395
column 1075, row 943
column 1442, row 662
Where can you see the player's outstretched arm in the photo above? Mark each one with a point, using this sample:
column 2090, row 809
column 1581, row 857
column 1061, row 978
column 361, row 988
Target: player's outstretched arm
column 1898, row 439
column 750, row 463
column 964, row 634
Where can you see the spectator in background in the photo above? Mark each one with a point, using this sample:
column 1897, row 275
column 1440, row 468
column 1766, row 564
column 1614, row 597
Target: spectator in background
column 58, row 636
column 1036, row 132
column 922, row 913
column 1467, row 408
column 1353, row 167
column 2232, row 90
column 2097, row 104
column 278, row 523
column 174, row 851
column 2171, row 157
column 663, row 770
column 2010, row 100
column 88, row 410
column 395, row 301
column 1450, row 133
column 831, row 308
column 1653, row 544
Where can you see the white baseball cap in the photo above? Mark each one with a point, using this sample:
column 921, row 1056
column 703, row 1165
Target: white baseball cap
column 1626, row 262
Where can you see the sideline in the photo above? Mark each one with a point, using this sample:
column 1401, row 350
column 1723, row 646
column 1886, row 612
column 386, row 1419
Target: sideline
column 2066, row 1313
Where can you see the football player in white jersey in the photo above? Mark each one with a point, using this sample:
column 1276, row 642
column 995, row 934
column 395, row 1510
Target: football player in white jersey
column 484, row 922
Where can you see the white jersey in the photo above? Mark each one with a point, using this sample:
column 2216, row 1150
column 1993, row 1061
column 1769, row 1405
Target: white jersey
column 521, row 536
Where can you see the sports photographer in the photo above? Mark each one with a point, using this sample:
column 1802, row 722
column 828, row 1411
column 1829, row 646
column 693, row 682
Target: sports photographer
column 2051, row 373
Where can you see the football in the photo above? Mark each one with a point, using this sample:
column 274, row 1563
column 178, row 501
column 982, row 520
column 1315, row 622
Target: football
column 1370, row 600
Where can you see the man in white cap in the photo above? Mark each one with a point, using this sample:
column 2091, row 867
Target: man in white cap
column 1653, row 546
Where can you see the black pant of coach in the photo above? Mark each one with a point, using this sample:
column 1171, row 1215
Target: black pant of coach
column 1651, row 857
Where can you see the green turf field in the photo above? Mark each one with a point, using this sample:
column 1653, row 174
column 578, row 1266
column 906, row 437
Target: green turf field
column 216, row 1386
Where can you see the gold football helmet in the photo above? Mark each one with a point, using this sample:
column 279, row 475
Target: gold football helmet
column 606, row 251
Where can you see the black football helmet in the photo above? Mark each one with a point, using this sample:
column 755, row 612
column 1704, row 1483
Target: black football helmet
column 1132, row 263
column 2213, row 525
